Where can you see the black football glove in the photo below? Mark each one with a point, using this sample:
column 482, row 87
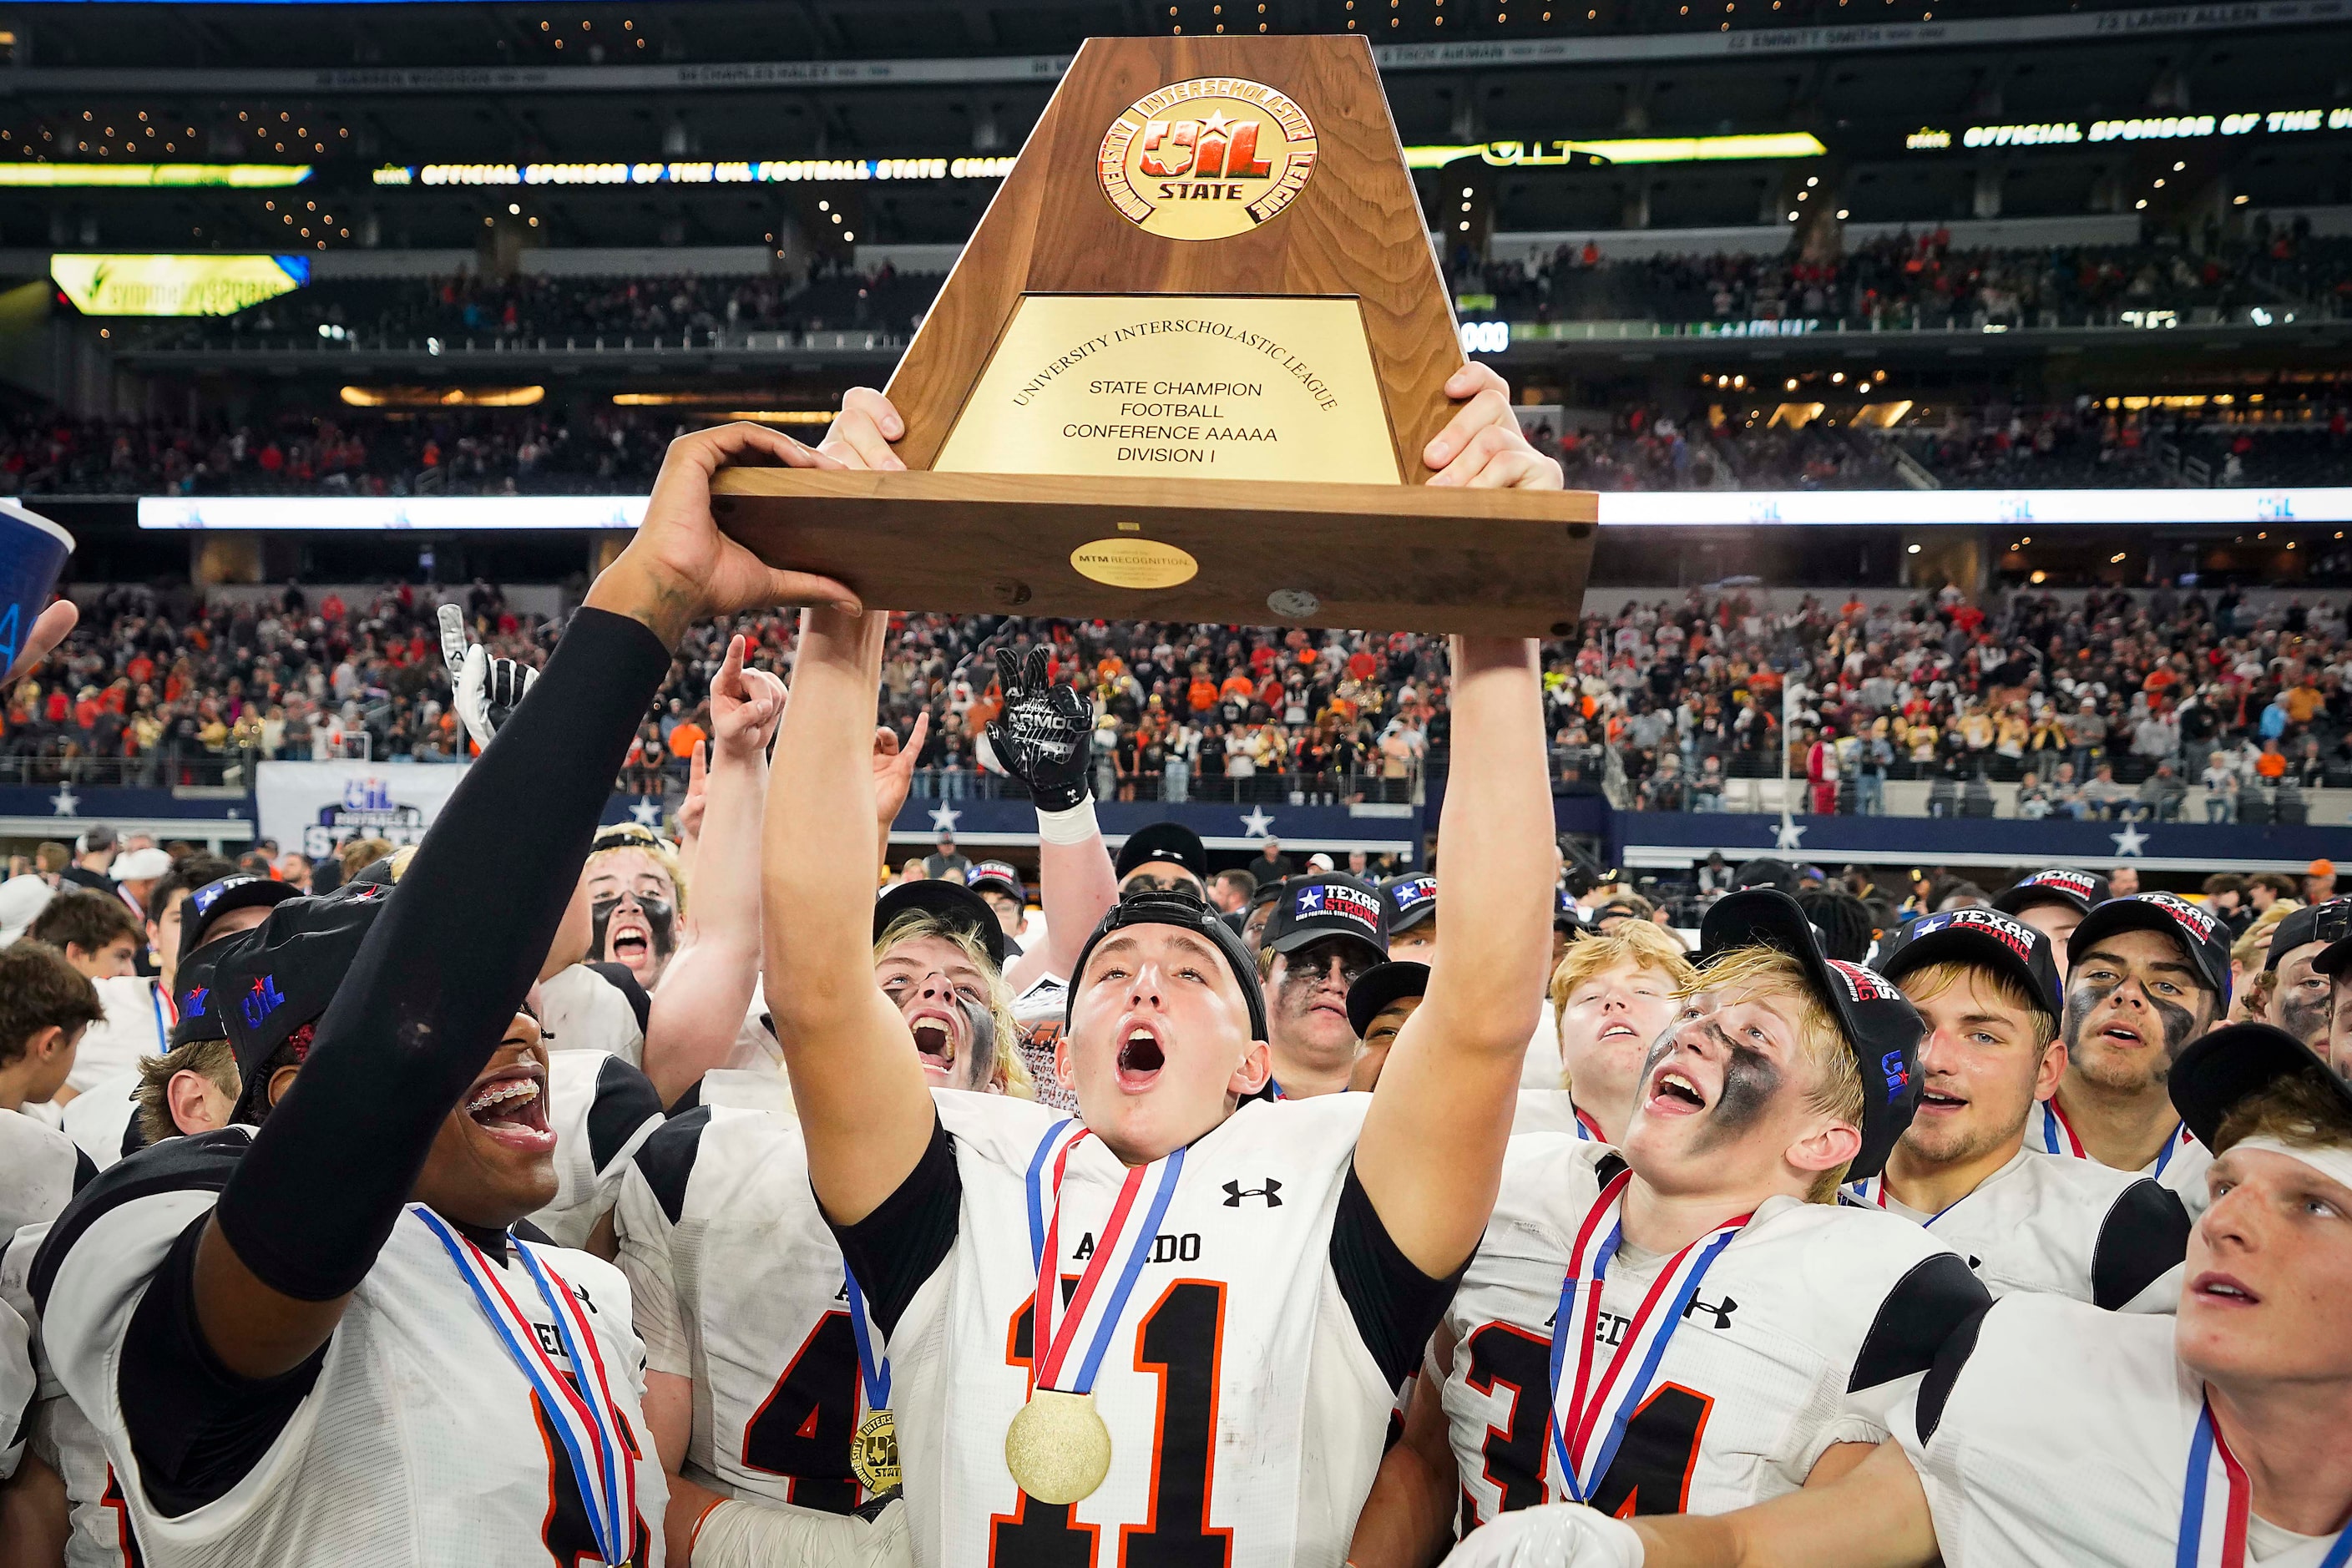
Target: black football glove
column 1041, row 735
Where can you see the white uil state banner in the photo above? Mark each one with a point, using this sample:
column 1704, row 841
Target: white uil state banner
column 317, row 806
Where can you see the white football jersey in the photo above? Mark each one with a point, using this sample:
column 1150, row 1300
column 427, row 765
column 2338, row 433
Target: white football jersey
column 585, row 1011
column 738, row 1285
column 419, row 1440
column 2053, row 1432
column 103, row 1120
column 17, row 1385
column 1553, row 1111
column 100, row 1533
column 601, row 1108
column 2063, row 1227
column 40, row 1169
column 1038, row 1013
column 137, row 1023
column 2179, row 1167
column 1246, row 1408
column 1805, row 1332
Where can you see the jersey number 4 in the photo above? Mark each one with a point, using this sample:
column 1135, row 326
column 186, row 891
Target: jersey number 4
column 1651, row 1472
column 1180, row 1341
column 802, row 1430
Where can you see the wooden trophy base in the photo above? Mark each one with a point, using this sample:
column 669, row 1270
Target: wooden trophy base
column 1375, row 557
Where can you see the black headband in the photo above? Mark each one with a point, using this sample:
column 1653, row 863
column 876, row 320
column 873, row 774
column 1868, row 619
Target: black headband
column 1185, row 910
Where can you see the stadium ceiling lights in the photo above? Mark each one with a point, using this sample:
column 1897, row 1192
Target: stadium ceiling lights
column 1679, row 509
column 773, row 172
column 1638, row 150
column 245, row 176
column 2148, row 127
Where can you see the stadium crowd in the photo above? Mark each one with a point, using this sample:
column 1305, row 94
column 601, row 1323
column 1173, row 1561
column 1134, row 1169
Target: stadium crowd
column 2104, row 704
column 1922, row 279
column 551, row 1189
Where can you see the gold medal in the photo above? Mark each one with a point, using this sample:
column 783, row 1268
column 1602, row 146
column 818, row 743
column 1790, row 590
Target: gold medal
column 1058, row 1447
column 874, row 1453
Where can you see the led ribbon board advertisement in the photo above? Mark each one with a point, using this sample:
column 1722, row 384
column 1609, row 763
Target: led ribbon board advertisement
column 175, row 285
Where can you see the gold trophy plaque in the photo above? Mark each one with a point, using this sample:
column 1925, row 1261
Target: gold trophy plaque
column 1185, row 369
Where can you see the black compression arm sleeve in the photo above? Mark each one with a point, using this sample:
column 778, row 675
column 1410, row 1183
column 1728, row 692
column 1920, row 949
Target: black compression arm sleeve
column 439, row 977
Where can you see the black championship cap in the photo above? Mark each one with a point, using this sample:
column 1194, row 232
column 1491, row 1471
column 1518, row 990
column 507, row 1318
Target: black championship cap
column 2079, row 891
column 279, row 977
column 1880, row 1025
column 1411, row 899
column 215, row 898
column 1986, row 937
column 1312, row 908
column 950, row 903
column 1184, row 910
column 2200, row 935
column 192, row 992
column 2221, row 1069
column 1170, row 841
column 998, row 876
column 1381, row 985
column 1565, row 914
column 2329, row 923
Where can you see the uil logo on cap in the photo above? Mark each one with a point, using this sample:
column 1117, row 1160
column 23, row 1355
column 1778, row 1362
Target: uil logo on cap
column 193, row 1000
column 263, row 999
column 1861, row 984
column 1413, row 894
column 2015, row 934
column 1898, row 1075
column 205, row 897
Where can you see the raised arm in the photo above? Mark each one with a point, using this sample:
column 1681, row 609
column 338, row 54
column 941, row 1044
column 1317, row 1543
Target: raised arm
column 699, row 1007
column 1040, row 737
column 864, row 1108
column 1431, row 1153
column 437, row 983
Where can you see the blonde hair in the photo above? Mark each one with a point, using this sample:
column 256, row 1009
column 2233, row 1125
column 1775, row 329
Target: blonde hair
column 1010, row 1074
column 654, row 847
column 2247, row 951
column 1926, row 983
column 2300, row 1110
column 1836, row 1089
column 358, row 854
column 1637, row 942
column 212, row 1059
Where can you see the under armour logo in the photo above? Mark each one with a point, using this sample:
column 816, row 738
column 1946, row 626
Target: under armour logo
column 1271, row 1193
column 1722, row 1312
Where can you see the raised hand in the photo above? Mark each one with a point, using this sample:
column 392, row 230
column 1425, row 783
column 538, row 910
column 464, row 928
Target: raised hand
column 894, row 767
column 1482, row 447
column 1041, row 735
column 50, row 628
column 679, row 568
column 485, row 690
column 746, row 705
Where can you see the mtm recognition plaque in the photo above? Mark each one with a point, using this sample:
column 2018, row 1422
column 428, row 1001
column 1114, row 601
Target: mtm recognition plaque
column 1185, row 369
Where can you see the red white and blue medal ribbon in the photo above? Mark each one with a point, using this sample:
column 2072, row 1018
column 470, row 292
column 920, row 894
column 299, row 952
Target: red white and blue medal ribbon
column 2058, row 1137
column 1870, row 1192
column 873, row 1369
column 2213, row 1527
column 586, row 1419
column 1586, row 1129
column 1120, row 1254
column 1590, row 1413
column 167, row 1014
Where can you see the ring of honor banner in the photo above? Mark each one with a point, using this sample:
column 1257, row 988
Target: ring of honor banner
column 1186, row 369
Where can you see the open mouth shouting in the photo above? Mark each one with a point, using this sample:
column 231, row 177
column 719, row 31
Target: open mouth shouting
column 1141, row 1054
column 938, row 1040
column 629, row 939
column 1934, row 1101
column 510, row 1106
column 1674, row 1092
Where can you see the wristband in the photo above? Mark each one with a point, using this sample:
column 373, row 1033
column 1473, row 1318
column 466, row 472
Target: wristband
column 1075, row 825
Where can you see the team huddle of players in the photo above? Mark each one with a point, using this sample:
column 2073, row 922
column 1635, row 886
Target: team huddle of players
column 469, row 1218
